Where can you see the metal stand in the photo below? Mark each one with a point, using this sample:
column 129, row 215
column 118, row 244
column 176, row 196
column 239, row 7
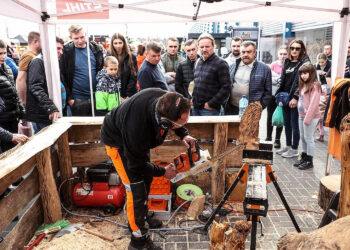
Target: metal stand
column 253, row 212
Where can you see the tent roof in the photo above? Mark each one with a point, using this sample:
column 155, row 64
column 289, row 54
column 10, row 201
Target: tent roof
column 151, row 11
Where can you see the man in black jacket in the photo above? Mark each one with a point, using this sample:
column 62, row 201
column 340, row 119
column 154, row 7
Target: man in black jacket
column 75, row 71
column 129, row 131
column 12, row 109
column 41, row 110
column 212, row 83
column 184, row 74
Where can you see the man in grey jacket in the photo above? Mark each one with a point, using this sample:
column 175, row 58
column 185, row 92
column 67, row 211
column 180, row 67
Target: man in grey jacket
column 250, row 78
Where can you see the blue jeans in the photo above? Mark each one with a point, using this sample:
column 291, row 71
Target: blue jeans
column 204, row 112
column 291, row 126
column 307, row 135
column 37, row 126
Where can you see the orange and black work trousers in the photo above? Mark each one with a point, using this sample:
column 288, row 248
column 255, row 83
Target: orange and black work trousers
column 137, row 189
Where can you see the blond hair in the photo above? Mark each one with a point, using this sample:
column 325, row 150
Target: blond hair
column 75, row 28
column 110, row 60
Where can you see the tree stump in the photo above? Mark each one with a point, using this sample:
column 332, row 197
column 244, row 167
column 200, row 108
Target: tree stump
column 328, row 185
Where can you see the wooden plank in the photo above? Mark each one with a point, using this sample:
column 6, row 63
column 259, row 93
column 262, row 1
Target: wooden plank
column 65, row 163
column 344, row 202
column 17, row 173
column 168, row 150
column 49, row 195
column 196, row 130
column 85, row 155
column 84, row 133
column 218, row 170
column 13, row 204
column 25, row 228
column 45, row 138
column 233, row 131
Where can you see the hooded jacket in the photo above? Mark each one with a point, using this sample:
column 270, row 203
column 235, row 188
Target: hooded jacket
column 107, row 91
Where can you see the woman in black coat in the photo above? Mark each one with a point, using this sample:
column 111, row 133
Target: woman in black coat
column 127, row 69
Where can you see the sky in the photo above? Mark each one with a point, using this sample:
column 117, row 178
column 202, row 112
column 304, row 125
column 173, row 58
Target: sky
column 10, row 27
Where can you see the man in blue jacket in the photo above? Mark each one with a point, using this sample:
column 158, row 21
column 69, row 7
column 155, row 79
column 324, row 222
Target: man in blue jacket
column 250, row 78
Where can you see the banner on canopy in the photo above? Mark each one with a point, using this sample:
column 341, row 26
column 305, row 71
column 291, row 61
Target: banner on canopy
column 74, row 9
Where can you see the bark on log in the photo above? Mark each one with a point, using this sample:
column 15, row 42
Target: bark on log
column 335, row 235
column 344, row 202
column 219, row 167
column 48, row 190
column 328, row 185
column 66, row 170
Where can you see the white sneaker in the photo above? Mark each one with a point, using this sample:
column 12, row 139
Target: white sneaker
column 290, row 153
column 282, row 150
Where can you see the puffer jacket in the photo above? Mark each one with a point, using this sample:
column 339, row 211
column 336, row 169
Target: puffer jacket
column 39, row 106
column 14, row 109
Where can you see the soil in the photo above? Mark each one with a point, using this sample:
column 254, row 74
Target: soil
column 82, row 240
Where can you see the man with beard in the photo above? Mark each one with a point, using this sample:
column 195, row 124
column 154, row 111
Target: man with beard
column 235, row 49
column 250, row 78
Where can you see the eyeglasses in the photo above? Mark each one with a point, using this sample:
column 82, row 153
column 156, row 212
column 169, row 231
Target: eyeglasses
column 283, row 54
column 295, row 48
column 178, row 125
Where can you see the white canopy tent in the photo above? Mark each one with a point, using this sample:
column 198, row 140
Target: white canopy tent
column 48, row 13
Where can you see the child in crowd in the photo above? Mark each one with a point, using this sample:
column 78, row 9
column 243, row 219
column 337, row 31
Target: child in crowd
column 309, row 113
column 322, row 66
column 108, row 87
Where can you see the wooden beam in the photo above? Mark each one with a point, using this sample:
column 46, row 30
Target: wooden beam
column 344, row 203
column 66, row 172
column 48, row 190
column 85, row 155
column 168, row 150
column 18, row 199
column 24, row 230
column 84, row 133
column 218, row 170
column 17, row 173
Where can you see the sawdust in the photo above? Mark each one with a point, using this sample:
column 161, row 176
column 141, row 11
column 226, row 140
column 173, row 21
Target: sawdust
column 82, row 240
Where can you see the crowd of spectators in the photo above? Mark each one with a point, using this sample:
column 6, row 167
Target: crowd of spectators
column 89, row 74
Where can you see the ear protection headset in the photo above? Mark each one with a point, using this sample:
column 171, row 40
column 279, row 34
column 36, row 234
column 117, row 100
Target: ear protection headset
column 174, row 109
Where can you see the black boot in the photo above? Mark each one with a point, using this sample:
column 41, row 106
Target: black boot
column 307, row 163
column 142, row 243
column 302, row 159
column 277, row 144
column 154, row 223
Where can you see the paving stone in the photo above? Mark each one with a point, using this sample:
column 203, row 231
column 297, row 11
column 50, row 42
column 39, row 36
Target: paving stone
column 170, row 246
column 198, row 245
column 181, row 246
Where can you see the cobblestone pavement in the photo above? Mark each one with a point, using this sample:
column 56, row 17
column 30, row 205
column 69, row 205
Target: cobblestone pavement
column 300, row 189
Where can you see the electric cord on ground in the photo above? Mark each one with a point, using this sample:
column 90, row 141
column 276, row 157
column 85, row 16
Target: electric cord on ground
column 124, row 225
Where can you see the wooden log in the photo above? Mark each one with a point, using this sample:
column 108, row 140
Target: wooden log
column 328, row 185
column 25, row 228
column 48, row 190
column 202, row 180
column 86, row 155
column 218, row 170
column 14, row 175
column 238, row 194
column 169, row 149
column 65, row 169
column 196, row 207
column 235, row 158
column 344, row 202
column 54, row 162
column 18, row 199
column 216, row 235
column 332, row 236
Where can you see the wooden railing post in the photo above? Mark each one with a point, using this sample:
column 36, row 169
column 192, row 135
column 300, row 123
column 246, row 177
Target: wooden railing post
column 344, row 203
column 66, row 172
column 47, row 186
column 219, row 167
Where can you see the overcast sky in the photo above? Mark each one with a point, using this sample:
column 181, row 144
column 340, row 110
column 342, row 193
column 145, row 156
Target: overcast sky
column 10, row 27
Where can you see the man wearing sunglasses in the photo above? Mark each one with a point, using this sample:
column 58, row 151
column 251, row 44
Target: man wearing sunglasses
column 129, row 131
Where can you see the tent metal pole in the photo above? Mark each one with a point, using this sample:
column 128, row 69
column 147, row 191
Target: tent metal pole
column 90, row 75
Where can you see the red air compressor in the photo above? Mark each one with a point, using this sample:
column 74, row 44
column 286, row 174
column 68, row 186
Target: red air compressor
column 100, row 186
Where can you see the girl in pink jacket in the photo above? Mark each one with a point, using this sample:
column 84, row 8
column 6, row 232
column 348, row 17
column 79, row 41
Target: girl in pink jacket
column 309, row 113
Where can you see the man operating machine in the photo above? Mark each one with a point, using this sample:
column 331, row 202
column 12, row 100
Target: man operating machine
column 129, row 131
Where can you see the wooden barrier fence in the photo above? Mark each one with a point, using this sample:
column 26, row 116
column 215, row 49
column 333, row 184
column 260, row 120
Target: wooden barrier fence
column 77, row 143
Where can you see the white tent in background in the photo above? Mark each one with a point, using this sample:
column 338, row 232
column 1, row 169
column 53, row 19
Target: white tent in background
column 48, row 13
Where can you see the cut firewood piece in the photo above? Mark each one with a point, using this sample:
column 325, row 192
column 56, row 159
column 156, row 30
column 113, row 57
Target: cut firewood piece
column 328, row 185
column 196, row 207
